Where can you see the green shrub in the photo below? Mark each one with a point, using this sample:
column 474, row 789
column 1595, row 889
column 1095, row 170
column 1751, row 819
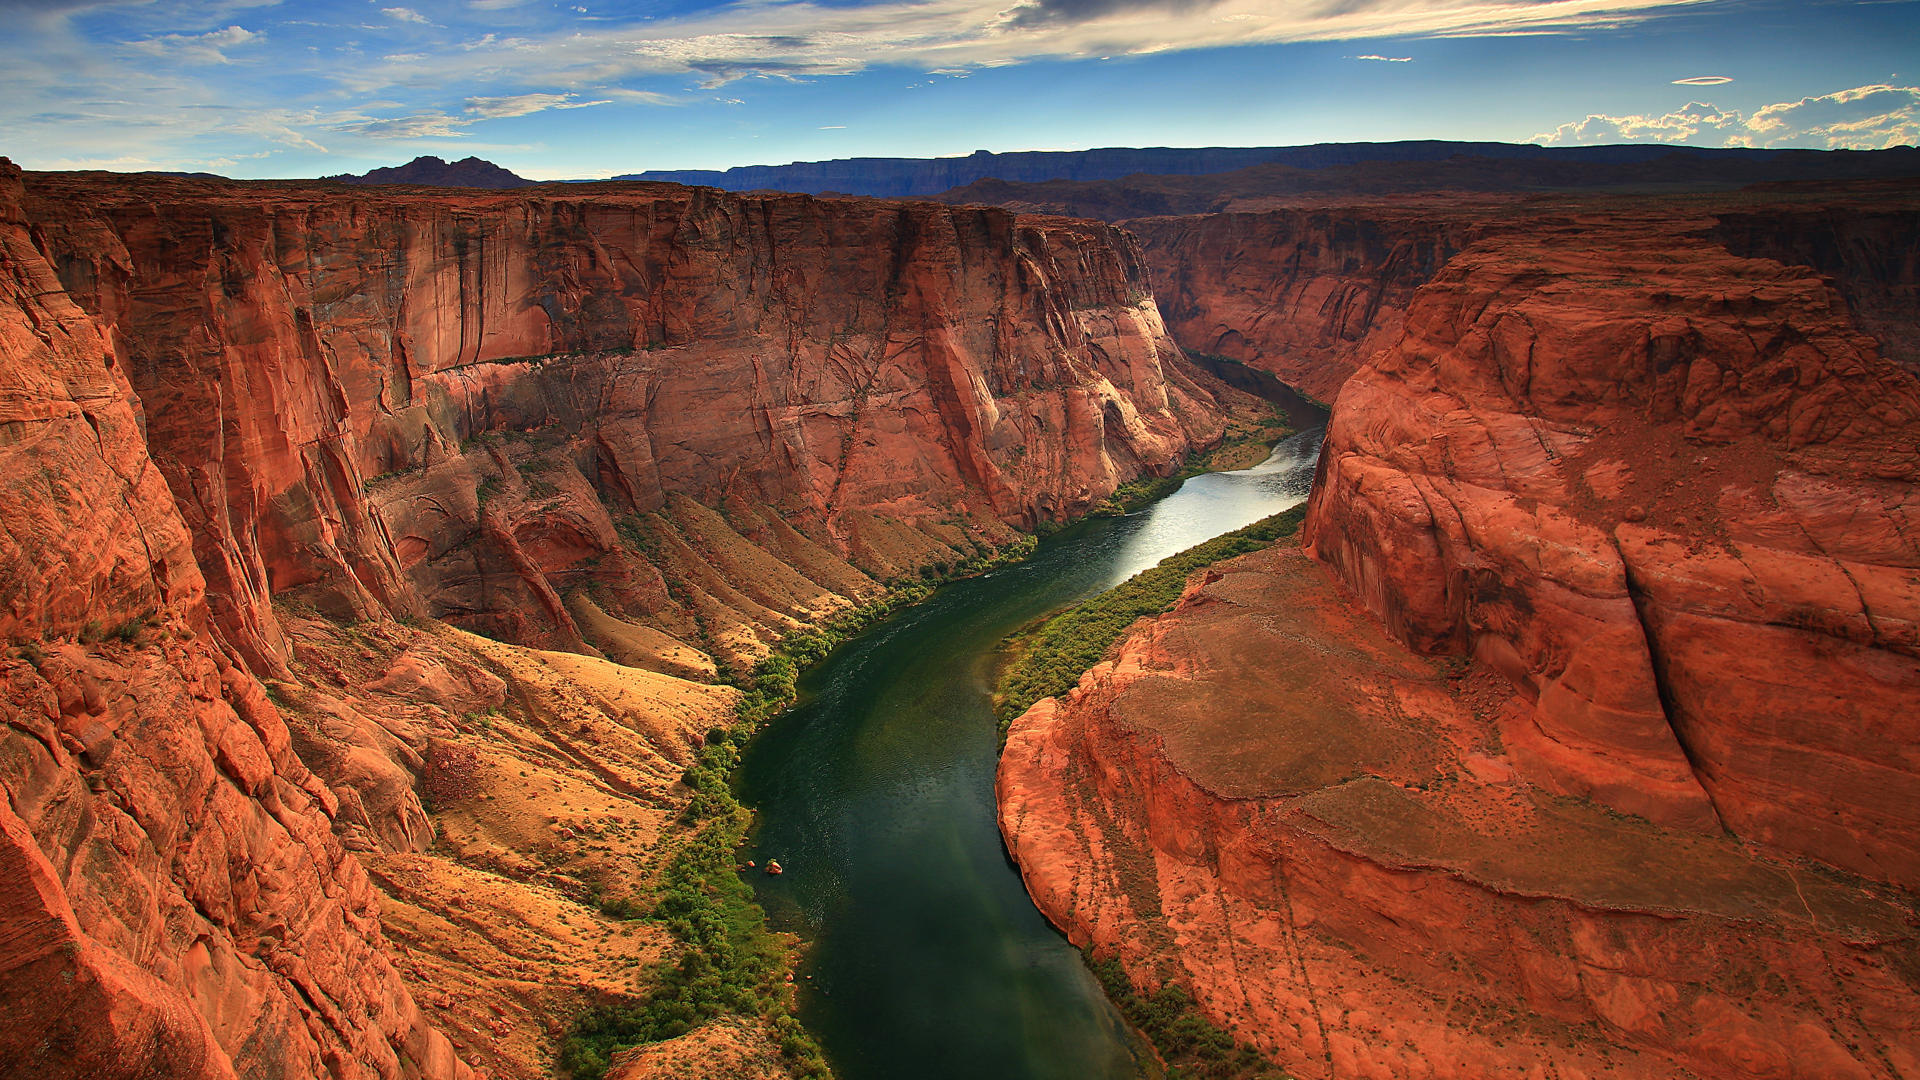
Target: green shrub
column 1192, row 1047
column 1052, row 658
column 730, row 963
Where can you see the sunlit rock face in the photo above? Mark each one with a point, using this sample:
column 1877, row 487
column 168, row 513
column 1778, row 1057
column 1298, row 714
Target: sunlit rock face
column 173, row 900
column 262, row 442
column 1579, row 730
column 330, row 377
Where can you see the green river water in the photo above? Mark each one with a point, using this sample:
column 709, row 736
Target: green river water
column 875, row 793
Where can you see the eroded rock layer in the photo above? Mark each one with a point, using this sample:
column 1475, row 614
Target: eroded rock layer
column 449, row 403
column 1580, row 734
column 1307, row 294
column 267, row 813
column 175, row 900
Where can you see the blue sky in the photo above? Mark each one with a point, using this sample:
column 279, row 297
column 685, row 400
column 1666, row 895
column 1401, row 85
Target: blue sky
column 581, row 88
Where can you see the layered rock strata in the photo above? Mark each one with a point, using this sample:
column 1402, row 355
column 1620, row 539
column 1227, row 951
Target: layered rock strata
column 1306, row 294
column 266, row 814
column 1578, row 737
column 1671, row 493
column 451, row 403
column 176, row 902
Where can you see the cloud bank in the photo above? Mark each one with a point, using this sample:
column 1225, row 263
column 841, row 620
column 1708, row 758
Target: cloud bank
column 1863, row 118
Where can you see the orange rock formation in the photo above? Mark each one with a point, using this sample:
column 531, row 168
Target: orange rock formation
column 175, row 899
column 1307, row 294
column 255, row 432
column 1580, row 734
column 332, row 375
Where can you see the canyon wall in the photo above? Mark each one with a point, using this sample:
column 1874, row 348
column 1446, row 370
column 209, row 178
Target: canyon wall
column 1870, row 253
column 483, row 407
column 268, row 813
column 176, row 902
column 1578, row 734
column 1670, row 492
column 1308, row 295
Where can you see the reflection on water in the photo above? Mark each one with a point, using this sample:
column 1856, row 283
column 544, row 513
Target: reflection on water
column 1213, row 503
column 876, row 795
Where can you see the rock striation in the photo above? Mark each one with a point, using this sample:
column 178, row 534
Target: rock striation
column 1578, row 735
column 1306, row 294
column 475, row 406
column 176, row 902
column 267, row 813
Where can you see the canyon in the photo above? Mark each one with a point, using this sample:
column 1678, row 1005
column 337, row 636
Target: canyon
column 1576, row 734
column 373, row 556
column 379, row 561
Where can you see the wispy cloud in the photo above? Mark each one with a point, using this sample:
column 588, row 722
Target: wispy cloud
column 1704, row 80
column 793, row 39
column 196, row 49
column 1863, row 118
column 189, row 75
column 494, row 108
column 421, row 125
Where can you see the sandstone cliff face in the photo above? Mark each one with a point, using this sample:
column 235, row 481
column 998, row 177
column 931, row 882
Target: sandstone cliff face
column 257, row 431
column 176, row 903
column 341, row 386
column 1580, row 733
column 1871, row 253
column 1670, row 492
column 1308, row 295
column 1266, row 798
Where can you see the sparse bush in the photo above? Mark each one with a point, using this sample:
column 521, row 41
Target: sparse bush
column 1053, row 657
column 730, row 963
column 621, row 908
column 1192, row 1047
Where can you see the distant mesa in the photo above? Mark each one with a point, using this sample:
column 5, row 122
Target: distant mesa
column 471, row 172
column 894, row 178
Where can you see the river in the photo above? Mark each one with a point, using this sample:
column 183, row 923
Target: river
column 875, row 793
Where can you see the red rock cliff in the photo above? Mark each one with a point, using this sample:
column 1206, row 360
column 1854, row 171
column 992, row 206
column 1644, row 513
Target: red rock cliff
column 857, row 367
column 1307, row 294
column 1670, row 493
column 246, row 424
column 173, row 901
column 1579, row 737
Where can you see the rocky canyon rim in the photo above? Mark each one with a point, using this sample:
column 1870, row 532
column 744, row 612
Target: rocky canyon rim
column 1612, row 553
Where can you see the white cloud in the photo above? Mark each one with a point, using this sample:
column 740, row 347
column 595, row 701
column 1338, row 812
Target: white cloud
column 794, row 39
column 1863, row 118
column 401, row 14
column 1384, row 59
column 208, row 48
column 495, row 108
column 430, row 124
column 1704, row 80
